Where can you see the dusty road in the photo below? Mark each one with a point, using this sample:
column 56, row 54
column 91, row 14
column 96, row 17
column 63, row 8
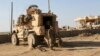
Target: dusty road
column 77, row 46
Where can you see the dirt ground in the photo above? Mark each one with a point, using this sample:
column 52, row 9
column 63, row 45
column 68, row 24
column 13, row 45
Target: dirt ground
column 72, row 46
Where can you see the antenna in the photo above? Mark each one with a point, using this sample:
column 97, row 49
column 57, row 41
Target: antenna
column 49, row 9
column 11, row 17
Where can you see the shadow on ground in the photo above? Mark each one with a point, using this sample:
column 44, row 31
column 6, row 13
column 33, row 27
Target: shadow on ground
column 4, row 38
column 81, row 44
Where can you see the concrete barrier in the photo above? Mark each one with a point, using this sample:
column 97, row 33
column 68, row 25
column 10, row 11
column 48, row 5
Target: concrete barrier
column 4, row 38
column 78, row 32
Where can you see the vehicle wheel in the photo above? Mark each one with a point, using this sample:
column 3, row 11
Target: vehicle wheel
column 31, row 40
column 14, row 39
column 59, row 43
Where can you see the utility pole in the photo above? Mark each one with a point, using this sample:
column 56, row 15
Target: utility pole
column 49, row 10
column 11, row 17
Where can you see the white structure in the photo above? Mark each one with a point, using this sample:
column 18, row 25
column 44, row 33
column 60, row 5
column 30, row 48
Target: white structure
column 88, row 21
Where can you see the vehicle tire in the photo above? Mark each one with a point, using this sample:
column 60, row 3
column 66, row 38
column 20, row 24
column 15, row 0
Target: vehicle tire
column 31, row 40
column 14, row 39
column 59, row 43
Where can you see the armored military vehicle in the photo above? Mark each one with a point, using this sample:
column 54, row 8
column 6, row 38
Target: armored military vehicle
column 36, row 28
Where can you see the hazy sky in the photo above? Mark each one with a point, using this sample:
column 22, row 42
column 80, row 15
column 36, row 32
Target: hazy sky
column 66, row 10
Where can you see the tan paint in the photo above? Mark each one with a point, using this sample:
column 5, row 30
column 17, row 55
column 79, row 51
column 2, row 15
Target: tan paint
column 36, row 20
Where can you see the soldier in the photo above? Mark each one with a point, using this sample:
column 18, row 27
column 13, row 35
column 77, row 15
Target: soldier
column 24, row 20
column 21, row 20
column 27, row 19
column 49, row 38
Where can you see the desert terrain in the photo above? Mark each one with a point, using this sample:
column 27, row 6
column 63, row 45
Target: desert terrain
column 72, row 46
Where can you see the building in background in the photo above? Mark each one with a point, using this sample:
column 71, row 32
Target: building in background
column 88, row 22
